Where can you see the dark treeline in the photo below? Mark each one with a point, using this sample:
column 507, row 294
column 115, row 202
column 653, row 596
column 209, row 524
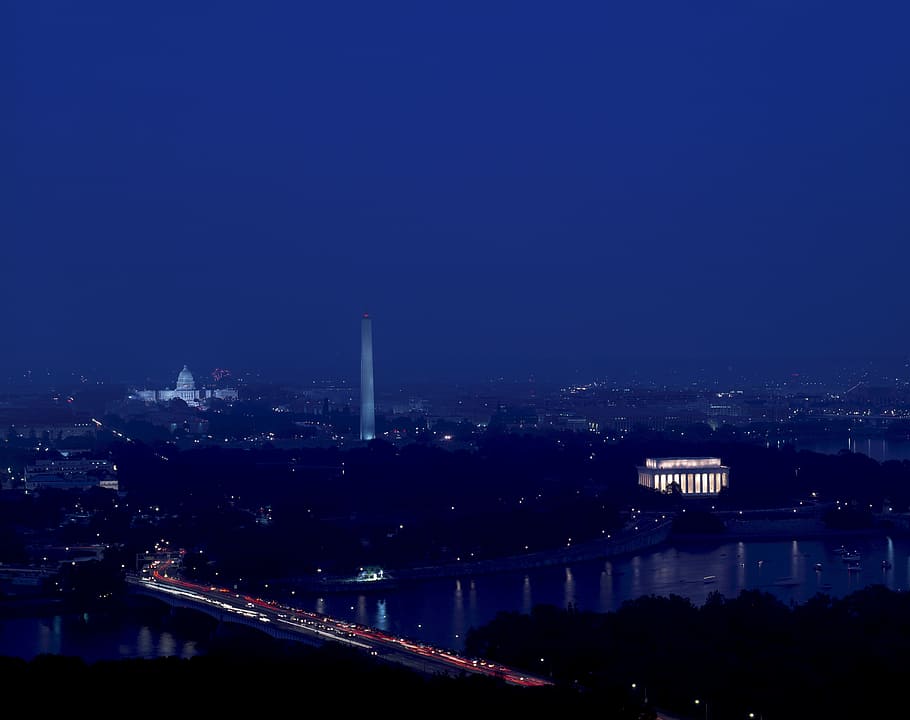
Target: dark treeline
column 339, row 510
column 420, row 478
column 836, row 658
column 255, row 674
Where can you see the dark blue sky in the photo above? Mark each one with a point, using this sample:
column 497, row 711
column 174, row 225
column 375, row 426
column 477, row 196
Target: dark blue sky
column 507, row 187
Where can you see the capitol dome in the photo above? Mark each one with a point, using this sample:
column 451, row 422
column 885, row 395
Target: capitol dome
column 185, row 380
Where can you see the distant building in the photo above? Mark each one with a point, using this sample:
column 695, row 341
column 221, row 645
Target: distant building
column 694, row 476
column 185, row 390
column 68, row 474
column 56, row 432
column 724, row 404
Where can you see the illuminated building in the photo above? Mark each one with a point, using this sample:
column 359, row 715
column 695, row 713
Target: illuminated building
column 367, row 406
column 695, row 476
column 79, row 473
column 187, row 391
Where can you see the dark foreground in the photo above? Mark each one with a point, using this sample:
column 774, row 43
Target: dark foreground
column 827, row 658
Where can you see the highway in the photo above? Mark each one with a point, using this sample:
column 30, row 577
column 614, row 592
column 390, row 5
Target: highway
column 287, row 622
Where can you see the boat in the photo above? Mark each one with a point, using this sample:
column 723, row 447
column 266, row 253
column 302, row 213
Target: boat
column 851, row 556
column 886, row 564
column 710, row 579
column 818, row 567
column 368, row 579
column 854, row 567
column 787, row 581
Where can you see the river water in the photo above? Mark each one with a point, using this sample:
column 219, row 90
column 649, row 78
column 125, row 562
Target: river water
column 877, row 448
column 441, row 611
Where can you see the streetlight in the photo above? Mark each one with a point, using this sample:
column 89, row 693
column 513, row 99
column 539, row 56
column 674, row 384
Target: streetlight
column 699, row 702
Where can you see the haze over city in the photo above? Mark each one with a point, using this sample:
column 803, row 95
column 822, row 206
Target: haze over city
column 509, row 189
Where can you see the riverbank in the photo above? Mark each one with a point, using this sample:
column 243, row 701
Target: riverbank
column 33, row 605
column 643, row 537
column 634, row 539
column 50, row 605
column 798, row 528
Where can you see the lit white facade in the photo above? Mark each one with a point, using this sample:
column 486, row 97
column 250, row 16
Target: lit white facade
column 695, row 476
column 185, row 390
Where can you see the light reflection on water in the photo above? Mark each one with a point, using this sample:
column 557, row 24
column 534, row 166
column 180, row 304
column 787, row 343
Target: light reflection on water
column 459, row 611
column 145, row 645
column 569, row 586
column 92, row 637
column 167, row 645
column 526, row 601
column 361, row 616
column 606, row 585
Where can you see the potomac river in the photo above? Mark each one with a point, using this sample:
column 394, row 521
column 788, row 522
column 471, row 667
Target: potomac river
column 440, row 611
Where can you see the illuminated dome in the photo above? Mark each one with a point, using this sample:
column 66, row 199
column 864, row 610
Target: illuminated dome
column 185, row 380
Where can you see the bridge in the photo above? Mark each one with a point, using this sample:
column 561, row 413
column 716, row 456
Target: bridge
column 221, row 614
column 297, row 625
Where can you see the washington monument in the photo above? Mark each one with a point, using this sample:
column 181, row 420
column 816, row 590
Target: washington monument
column 367, row 406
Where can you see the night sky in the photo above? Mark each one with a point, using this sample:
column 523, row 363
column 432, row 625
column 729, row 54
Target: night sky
column 508, row 188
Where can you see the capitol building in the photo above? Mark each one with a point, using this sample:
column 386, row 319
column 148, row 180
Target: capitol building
column 185, row 390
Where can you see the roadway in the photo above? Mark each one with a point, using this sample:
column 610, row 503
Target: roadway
column 282, row 621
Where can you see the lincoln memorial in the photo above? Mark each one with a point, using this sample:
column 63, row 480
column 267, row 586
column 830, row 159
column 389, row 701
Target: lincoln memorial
column 695, row 476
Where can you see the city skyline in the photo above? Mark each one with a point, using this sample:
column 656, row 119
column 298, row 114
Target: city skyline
column 639, row 373
column 516, row 191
